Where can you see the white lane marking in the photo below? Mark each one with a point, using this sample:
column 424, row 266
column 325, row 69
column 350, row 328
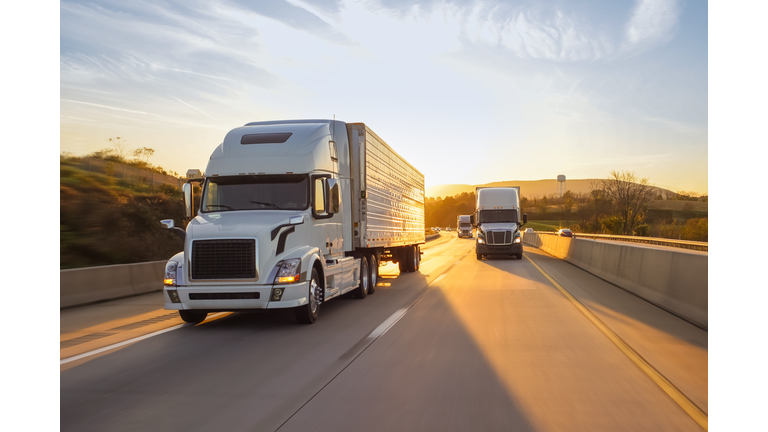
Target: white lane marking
column 129, row 341
column 387, row 324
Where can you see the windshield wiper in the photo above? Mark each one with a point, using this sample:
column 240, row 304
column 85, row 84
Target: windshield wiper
column 220, row 205
column 268, row 204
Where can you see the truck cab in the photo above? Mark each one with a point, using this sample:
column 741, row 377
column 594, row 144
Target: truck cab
column 498, row 221
column 464, row 226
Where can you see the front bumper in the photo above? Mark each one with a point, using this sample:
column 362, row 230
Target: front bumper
column 485, row 249
column 224, row 297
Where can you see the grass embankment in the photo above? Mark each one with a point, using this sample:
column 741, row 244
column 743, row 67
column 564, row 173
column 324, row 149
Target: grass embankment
column 106, row 221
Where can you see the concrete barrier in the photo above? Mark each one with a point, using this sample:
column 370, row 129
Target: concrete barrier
column 93, row 284
column 673, row 280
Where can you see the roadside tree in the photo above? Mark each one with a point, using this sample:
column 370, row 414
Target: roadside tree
column 630, row 196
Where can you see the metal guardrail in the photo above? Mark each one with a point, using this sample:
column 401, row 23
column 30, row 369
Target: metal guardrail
column 684, row 244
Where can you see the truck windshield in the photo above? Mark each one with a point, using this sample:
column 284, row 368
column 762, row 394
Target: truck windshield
column 491, row 216
column 464, row 225
column 252, row 192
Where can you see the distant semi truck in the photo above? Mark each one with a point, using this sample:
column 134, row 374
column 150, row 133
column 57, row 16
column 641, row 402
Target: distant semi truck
column 294, row 213
column 464, row 224
column 498, row 221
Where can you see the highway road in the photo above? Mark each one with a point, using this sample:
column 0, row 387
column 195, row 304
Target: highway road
column 461, row 345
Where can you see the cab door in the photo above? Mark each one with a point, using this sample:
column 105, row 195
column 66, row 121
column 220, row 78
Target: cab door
column 327, row 229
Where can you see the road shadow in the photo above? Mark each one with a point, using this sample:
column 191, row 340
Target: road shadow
column 253, row 371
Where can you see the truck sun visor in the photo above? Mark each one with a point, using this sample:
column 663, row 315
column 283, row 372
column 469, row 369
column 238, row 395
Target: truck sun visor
column 266, row 138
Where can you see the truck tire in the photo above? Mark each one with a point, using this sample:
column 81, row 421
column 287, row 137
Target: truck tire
column 479, row 257
column 365, row 280
column 402, row 266
column 193, row 316
column 373, row 268
column 307, row 314
column 413, row 258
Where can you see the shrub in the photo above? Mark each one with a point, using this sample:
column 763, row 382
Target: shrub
column 643, row 230
column 695, row 229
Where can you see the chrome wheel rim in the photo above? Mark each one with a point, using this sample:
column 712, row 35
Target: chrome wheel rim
column 374, row 273
column 415, row 257
column 314, row 295
column 364, row 274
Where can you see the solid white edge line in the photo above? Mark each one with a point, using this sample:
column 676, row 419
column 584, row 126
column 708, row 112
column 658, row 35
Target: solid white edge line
column 129, row 341
column 387, row 324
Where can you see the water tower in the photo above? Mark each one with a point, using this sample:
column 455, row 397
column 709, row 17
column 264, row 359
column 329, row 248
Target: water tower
column 560, row 185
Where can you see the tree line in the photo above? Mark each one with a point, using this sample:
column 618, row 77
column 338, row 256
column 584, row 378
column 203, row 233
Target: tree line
column 616, row 205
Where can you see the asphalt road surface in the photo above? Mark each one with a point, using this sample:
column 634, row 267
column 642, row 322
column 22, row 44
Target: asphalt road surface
column 461, row 345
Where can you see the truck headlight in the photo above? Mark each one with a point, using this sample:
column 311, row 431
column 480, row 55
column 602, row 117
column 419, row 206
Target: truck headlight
column 517, row 239
column 289, row 271
column 170, row 273
column 480, row 240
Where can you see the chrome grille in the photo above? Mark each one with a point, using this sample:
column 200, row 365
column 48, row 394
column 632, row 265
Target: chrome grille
column 224, row 259
column 499, row 237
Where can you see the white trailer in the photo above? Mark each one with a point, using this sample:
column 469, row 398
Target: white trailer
column 293, row 214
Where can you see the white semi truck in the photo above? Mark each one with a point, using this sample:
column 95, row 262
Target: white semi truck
column 464, row 226
column 497, row 218
column 294, row 213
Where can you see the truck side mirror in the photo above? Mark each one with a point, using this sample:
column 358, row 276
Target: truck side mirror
column 472, row 219
column 333, row 192
column 186, row 190
column 189, row 200
column 169, row 225
column 525, row 219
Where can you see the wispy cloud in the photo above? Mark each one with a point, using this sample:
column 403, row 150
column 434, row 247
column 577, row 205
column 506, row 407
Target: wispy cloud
column 109, row 107
column 652, row 22
column 194, row 108
column 558, row 33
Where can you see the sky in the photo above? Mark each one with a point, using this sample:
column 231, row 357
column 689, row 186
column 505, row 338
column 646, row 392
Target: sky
column 469, row 92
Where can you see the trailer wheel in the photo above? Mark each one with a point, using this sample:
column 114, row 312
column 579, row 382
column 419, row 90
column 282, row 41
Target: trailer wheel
column 402, row 266
column 373, row 268
column 193, row 316
column 412, row 258
column 362, row 289
column 307, row 314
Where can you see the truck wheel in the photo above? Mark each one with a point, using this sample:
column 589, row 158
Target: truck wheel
column 373, row 267
column 307, row 314
column 402, row 266
column 412, row 258
column 193, row 316
column 362, row 289
column 479, row 257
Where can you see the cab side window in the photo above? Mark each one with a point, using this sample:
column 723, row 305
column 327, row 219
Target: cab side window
column 318, row 203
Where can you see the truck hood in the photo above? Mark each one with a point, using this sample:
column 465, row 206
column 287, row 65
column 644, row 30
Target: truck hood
column 236, row 224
